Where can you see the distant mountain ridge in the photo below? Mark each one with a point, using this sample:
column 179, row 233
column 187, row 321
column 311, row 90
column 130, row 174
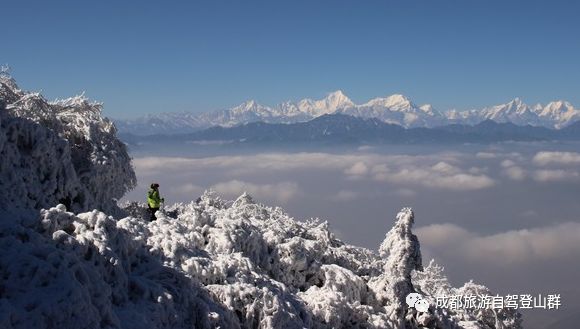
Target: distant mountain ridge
column 337, row 129
column 395, row 109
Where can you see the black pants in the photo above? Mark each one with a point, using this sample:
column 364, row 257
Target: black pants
column 152, row 211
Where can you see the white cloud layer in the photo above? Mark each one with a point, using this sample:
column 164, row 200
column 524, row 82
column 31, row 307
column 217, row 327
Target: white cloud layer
column 449, row 171
column 441, row 175
column 358, row 169
column 355, row 164
column 515, row 173
column 545, row 158
column 512, row 247
column 431, row 171
column 555, row 175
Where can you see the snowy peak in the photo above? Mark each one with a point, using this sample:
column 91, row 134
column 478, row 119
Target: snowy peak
column 514, row 111
column 248, row 104
column 399, row 109
column 337, row 98
column 558, row 109
column 516, row 101
column 396, row 102
column 331, row 103
column 514, row 106
column 251, row 106
column 559, row 114
column 427, row 108
column 556, row 114
column 398, row 98
column 394, row 109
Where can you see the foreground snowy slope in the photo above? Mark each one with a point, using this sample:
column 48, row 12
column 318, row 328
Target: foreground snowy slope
column 215, row 264
column 206, row 264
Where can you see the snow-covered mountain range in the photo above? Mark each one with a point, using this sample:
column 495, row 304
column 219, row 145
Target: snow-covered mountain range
column 395, row 109
column 86, row 262
column 342, row 129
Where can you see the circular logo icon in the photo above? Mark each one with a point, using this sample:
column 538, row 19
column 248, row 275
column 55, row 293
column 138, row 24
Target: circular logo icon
column 416, row 300
column 422, row 305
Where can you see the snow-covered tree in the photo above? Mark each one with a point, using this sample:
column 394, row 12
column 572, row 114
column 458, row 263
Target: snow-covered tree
column 431, row 281
column 401, row 253
column 59, row 152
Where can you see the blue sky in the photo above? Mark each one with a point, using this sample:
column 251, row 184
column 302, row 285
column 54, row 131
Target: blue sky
column 150, row 56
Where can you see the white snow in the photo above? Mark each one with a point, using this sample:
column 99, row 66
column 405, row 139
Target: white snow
column 554, row 115
column 207, row 264
column 59, row 152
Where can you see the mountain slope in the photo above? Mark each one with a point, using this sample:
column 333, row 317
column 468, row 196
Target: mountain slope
column 559, row 114
column 162, row 123
column 398, row 109
column 334, row 128
column 340, row 129
column 214, row 264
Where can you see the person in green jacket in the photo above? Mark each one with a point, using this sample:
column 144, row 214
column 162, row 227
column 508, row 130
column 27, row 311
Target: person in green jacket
column 154, row 200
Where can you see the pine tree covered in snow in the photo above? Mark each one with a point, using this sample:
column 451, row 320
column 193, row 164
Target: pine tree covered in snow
column 207, row 264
